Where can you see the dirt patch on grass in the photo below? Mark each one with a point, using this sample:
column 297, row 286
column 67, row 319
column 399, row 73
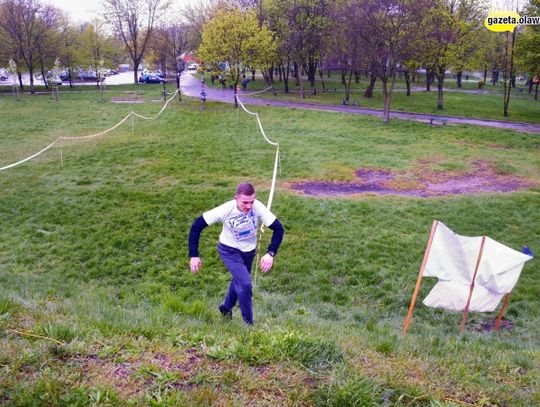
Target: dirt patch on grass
column 191, row 371
column 488, row 325
column 421, row 181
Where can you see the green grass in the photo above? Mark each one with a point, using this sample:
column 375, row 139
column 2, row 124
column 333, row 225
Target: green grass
column 98, row 307
column 469, row 101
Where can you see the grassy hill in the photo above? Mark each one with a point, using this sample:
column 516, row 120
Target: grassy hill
column 98, row 307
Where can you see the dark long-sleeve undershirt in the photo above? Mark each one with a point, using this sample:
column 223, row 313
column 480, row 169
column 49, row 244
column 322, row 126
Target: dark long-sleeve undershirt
column 195, row 235
column 277, row 236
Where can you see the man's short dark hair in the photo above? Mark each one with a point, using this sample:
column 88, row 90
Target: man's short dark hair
column 245, row 189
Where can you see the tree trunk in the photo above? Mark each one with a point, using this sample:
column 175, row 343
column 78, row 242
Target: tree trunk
column 31, row 73
column 321, row 74
column 536, row 92
column 485, row 74
column 408, row 82
column 356, row 77
column 530, row 86
column 348, row 87
column 369, row 90
column 253, row 74
column 458, row 79
column 509, row 70
column 343, row 73
column 300, row 80
column 428, row 80
column 286, row 76
column 440, row 83
column 136, row 72
column 19, row 75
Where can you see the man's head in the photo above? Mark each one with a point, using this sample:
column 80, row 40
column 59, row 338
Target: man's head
column 245, row 196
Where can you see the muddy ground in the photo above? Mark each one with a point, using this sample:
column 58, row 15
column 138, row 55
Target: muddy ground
column 419, row 182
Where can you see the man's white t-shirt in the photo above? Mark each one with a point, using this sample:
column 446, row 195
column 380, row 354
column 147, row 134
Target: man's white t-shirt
column 239, row 229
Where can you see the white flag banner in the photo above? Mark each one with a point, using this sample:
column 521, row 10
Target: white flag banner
column 453, row 259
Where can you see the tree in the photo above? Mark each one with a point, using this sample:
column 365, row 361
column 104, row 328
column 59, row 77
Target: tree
column 386, row 31
column 448, row 25
column 25, row 25
column 528, row 49
column 134, row 21
column 278, row 23
column 345, row 41
column 235, row 38
column 70, row 46
column 168, row 44
column 98, row 47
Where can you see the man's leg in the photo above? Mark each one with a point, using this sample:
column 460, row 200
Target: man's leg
column 240, row 287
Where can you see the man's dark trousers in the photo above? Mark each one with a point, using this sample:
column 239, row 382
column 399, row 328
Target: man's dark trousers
column 239, row 265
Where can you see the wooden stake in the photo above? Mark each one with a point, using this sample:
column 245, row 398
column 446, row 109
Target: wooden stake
column 407, row 321
column 502, row 311
column 471, row 289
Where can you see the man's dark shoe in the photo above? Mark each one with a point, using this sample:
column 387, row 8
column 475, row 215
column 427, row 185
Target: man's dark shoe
column 226, row 313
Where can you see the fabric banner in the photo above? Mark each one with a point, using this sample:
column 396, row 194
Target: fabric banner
column 453, row 258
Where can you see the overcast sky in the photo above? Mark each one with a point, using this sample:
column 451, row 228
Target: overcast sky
column 84, row 10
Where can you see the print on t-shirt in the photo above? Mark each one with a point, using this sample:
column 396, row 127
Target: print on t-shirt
column 243, row 226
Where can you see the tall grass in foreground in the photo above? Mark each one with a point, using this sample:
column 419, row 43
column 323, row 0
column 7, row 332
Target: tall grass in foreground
column 97, row 306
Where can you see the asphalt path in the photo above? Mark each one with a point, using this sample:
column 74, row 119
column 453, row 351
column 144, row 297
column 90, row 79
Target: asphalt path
column 192, row 86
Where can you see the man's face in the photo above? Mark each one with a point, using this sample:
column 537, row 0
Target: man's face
column 244, row 203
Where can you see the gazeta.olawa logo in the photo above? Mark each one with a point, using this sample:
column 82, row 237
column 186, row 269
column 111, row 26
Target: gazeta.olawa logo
column 500, row 20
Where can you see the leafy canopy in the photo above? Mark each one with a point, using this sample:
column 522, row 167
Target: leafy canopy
column 235, row 37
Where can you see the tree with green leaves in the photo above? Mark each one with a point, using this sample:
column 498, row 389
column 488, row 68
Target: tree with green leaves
column 98, row 47
column 26, row 25
column 235, row 38
column 528, row 49
column 448, row 26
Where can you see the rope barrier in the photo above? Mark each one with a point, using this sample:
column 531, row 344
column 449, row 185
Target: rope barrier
column 130, row 114
column 273, row 186
column 259, row 91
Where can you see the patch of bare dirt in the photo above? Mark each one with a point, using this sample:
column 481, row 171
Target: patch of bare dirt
column 420, row 182
column 488, row 325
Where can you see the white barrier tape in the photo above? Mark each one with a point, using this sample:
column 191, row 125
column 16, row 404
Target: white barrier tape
column 29, row 158
column 161, row 111
column 258, row 121
column 259, row 91
column 97, row 134
column 272, row 188
column 90, row 136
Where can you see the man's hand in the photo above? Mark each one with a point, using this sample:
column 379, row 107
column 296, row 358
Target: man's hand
column 266, row 263
column 195, row 264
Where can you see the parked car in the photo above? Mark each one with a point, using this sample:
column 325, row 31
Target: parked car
column 50, row 77
column 88, row 76
column 64, row 75
column 151, row 78
column 192, row 66
column 4, row 75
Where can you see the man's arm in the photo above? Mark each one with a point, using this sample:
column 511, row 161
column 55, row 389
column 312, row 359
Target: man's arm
column 277, row 236
column 194, row 235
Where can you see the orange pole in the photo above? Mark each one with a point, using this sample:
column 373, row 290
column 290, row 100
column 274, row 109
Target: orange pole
column 501, row 312
column 408, row 318
column 471, row 289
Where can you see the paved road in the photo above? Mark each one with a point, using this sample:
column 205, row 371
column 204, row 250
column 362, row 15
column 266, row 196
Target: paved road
column 191, row 86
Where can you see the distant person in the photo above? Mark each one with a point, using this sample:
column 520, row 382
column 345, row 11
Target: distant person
column 236, row 247
column 245, row 82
